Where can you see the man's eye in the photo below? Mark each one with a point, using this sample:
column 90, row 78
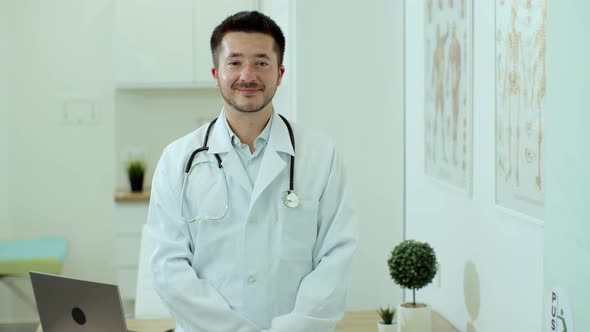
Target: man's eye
column 233, row 63
column 262, row 64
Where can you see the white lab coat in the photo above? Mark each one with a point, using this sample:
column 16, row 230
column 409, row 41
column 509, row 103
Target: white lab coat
column 264, row 266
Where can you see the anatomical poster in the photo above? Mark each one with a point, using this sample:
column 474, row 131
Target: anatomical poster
column 448, row 82
column 520, row 104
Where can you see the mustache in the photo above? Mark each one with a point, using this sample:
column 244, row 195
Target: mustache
column 251, row 85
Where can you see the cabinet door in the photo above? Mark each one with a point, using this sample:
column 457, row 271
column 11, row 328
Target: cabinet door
column 208, row 14
column 153, row 42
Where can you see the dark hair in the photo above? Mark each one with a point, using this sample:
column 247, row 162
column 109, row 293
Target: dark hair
column 248, row 21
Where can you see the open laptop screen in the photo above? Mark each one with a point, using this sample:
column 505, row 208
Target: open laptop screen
column 72, row 305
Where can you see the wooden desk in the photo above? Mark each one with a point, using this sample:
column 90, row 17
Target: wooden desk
column 366, row 321
column 353, row 321
column 150, row 325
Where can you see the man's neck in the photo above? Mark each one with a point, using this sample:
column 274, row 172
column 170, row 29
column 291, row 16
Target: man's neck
column 248, row 125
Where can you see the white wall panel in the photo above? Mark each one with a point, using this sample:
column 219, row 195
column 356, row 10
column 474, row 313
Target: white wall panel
column 350, row 85
column 567, row 248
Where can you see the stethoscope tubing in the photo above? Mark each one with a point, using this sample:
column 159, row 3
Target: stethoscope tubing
column 205, row 147
column 286, row 196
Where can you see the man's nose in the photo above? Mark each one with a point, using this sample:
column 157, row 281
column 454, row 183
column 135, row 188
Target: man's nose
column 247, row 74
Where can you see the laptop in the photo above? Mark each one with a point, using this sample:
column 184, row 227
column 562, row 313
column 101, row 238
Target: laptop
column 72, row 305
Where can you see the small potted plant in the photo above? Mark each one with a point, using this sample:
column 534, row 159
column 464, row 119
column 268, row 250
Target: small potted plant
column 387, row 323
column 412, row 265
column 136, row 171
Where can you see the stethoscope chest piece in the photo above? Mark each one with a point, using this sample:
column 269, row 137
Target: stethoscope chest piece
column 290, row 199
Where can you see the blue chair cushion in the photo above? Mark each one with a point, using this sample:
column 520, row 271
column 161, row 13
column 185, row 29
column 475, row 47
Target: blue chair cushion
column 44, row 254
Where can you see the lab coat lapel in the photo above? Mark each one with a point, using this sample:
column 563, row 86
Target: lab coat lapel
column 272, row 162
column 272, row 165
column 219, row 142
column 234, row 168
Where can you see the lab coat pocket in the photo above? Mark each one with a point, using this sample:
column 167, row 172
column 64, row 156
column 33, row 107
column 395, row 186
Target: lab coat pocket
column 297, row 230
column 289, row 275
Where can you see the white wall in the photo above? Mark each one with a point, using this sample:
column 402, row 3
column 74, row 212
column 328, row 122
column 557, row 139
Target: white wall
column 567, row 248
column 5, row 226
column 6, row 229
column 62, row 176
column 350, row 84
column 491, row 260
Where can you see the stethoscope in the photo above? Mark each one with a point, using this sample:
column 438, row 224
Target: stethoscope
column 289, row 197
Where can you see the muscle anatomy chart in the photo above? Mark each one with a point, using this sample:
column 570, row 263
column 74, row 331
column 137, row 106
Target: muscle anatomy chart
column 520, row 101
column 448, row 91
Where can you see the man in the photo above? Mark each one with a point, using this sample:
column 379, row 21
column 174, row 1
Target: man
column 236, row 250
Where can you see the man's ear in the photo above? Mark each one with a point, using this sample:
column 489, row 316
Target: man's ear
column 281, row 73
column 214, row 74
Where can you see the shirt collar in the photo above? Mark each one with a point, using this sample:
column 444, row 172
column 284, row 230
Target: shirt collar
column 259, row 142
column 278, row 135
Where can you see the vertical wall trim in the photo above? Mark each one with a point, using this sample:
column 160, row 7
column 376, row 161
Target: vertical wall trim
column 293, row 54
column 404, row 69
column 193, row 40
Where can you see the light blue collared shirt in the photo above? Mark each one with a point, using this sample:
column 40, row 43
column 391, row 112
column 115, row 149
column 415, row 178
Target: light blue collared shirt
column 250, row 161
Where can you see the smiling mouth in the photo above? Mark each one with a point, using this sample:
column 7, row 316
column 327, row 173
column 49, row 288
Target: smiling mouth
column 248, row 92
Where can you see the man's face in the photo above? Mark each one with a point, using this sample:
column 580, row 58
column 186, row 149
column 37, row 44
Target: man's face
column 248, row 72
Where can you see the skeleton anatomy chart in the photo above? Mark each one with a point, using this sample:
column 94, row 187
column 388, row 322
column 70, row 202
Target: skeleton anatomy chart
column 520, row 101
column 448, row 91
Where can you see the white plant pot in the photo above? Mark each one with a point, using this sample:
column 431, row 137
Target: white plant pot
column 386, row 327
column 411, row 319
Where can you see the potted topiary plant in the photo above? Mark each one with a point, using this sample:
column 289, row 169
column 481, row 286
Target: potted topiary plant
column 387, row 323
column 136, row 172
column 412, row 265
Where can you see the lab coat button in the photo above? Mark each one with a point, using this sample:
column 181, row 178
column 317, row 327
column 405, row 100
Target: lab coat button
column 251, row 280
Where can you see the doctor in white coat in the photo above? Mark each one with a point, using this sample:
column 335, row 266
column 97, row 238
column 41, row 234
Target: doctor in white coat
column 233, row 251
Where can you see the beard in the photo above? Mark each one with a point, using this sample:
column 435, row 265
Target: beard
column 250, row 108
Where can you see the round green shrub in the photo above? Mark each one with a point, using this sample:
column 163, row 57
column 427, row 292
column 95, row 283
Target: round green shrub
column 412, row 264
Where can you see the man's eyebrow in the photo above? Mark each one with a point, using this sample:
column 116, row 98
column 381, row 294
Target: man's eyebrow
column 239, row 55
column 263, row 55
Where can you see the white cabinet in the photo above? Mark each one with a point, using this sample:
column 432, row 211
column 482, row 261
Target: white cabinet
column 158, row 43
column 129, row 219
column 152, row 42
